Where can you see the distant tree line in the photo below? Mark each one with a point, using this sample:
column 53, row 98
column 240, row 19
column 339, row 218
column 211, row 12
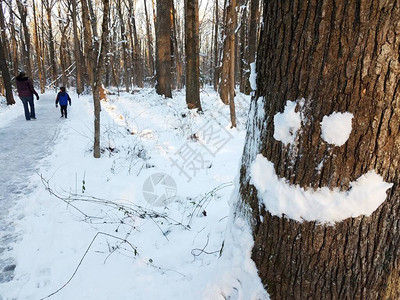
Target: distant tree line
column 168, row 44
column 54, row 41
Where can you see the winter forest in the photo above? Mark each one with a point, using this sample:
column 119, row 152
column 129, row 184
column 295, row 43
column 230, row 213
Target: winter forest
column 206, row 149
column 128, row 44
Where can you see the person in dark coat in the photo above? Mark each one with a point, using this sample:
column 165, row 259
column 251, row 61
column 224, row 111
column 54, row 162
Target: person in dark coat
column 25, row 92
column 63, row 98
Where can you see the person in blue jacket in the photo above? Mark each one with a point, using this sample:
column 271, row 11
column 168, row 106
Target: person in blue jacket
column 63, row 98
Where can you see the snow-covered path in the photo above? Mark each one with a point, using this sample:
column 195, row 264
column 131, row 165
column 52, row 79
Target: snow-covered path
column 23, row 144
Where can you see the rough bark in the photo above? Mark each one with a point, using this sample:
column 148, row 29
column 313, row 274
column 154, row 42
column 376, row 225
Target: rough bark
column 163, row 48
column 339, row 56
column 192, row 54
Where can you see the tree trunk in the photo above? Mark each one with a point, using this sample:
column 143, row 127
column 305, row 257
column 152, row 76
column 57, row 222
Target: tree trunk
column 6, row 50
column 93, row 23
column 14, row 44
column 136, row 56
column 115, row 60
column 125, row 56
column 98, row 74
column 242, row 49
column 227, row 85
column 77, row 51
column 53, row 62
column 192, row 54
column 26, row 38
column 149, row 45
column 253, row 39
column 337, row 56
column 5, row 74
column 163, row 48
column 38, row 52
column 63, row 46
column 226, row 71
column 43, row 44
column 216, row 47
column 87, row 42
column 175, row 52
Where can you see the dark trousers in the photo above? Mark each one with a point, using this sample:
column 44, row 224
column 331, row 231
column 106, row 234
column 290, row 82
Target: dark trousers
column 29, row 111
column 63, row 110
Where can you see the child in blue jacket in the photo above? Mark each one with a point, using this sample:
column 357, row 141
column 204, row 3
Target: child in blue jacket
column 63, row 98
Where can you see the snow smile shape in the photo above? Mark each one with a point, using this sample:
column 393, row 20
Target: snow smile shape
column 324, row 205
column 365, row 195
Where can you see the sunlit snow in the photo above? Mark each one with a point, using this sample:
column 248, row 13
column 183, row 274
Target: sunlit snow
column 336, row 128
column 253, row 76
column 323, row 205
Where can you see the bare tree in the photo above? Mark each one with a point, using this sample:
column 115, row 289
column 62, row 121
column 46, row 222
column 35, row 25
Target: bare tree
column 77, row 50
column 49, row 4
column 96, row 54
column 89, row 51
column 4, row 37
column 124, row 44
column 175, row 51
column 241, row 57
column 192, row 54
column 163, row 48
column 63, row 22
column 39, row 56
column 149, row 40
column 135, row 47
column 216, row 45
column 253, row 39
column 13, row 36
column 98, row 70
column 23, row 12
column 227, row 85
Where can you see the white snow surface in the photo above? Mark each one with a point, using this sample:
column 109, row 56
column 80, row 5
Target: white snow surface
column 82, row 229
column 336, row 128
column 253, row 76
column 287, row 124
column 366, row 194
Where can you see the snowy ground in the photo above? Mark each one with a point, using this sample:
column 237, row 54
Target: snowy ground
column 148, row 220
column 24, row 144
